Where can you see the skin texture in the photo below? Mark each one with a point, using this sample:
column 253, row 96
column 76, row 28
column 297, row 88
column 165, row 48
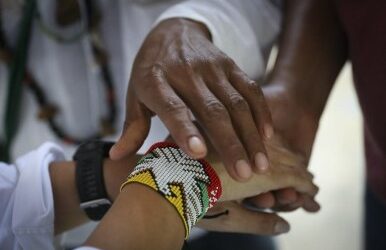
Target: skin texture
column 153, row 231
column 179, row 72
column 296, row 121
column 312, row 51
column 286, row 173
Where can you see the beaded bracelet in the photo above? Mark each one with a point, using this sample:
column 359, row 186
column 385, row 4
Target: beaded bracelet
column 191, row 186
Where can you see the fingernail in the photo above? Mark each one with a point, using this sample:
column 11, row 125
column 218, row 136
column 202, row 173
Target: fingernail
column 281, row 227
column 261, row 161
column 243, row 169
column 268, row 131
column 196, row 145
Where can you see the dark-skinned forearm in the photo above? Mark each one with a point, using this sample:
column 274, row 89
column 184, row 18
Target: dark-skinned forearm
column 312, row 51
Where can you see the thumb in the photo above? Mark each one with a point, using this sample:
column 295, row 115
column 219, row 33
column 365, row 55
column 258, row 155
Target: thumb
column 135, row 130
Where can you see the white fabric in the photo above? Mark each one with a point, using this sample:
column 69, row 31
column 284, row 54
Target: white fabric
column 26, row 204
column 67, row 74
column 243, row 29
column 27, row 217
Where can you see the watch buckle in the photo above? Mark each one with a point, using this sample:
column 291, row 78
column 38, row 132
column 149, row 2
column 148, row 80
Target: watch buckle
column 95, row 203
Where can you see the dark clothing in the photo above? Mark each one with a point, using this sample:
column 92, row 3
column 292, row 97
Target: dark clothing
column 375, row 223
column 230, row 241
column 364, row 22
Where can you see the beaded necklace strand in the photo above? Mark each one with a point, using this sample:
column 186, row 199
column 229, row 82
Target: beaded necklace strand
column 16, row 60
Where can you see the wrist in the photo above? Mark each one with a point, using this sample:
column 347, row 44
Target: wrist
column 177, row 25
column 139, row 219
column 115, row 173
column 296, row 121
column 65, row 196
column 299, row 91
column 191, row 186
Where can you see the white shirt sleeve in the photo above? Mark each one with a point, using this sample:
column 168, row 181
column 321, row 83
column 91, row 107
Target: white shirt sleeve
column 244, row 29
column 26, row 204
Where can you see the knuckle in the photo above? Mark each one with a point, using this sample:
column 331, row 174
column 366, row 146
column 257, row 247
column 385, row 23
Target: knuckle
column 237, row 103
column 254, row 87
column 213, row 60
column 185, row 67
column 188, row 63
column 212, row 64
column 215, row 110
column 157, row 70
column 178, row 66
column 190, row 71
column 172, row 107
column 228, row 61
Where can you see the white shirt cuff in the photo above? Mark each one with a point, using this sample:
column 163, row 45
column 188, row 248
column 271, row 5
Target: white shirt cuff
column 33, row 208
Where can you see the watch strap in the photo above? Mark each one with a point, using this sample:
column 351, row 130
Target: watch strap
column 89, row 160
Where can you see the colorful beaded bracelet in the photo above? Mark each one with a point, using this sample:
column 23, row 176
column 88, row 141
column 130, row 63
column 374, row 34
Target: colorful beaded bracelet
column 191, row 186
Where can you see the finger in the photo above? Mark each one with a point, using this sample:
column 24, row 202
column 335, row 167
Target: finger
column 242, row 119
column 253, row 94
column 135, row 129
column 304, row 201
column 301, row 181
column 308, row 189
column 162, row 100
column 214, row 119
column 241, row 220
column 283, row 200
column 290, row 206
column 265, row 200
column 285, row 196
column 310, row 204
column 261, row 223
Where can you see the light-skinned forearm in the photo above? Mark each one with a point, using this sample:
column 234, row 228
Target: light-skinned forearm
column 140, row 218
column 283, row 174
column 68, row 214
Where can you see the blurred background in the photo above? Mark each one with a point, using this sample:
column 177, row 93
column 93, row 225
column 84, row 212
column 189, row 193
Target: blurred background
column 338, row 165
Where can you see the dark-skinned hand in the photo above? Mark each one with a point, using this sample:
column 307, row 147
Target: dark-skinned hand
column 297, row 128
column 179, row 72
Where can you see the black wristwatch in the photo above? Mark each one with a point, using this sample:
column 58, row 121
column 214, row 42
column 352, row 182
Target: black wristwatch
column 89, row 159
